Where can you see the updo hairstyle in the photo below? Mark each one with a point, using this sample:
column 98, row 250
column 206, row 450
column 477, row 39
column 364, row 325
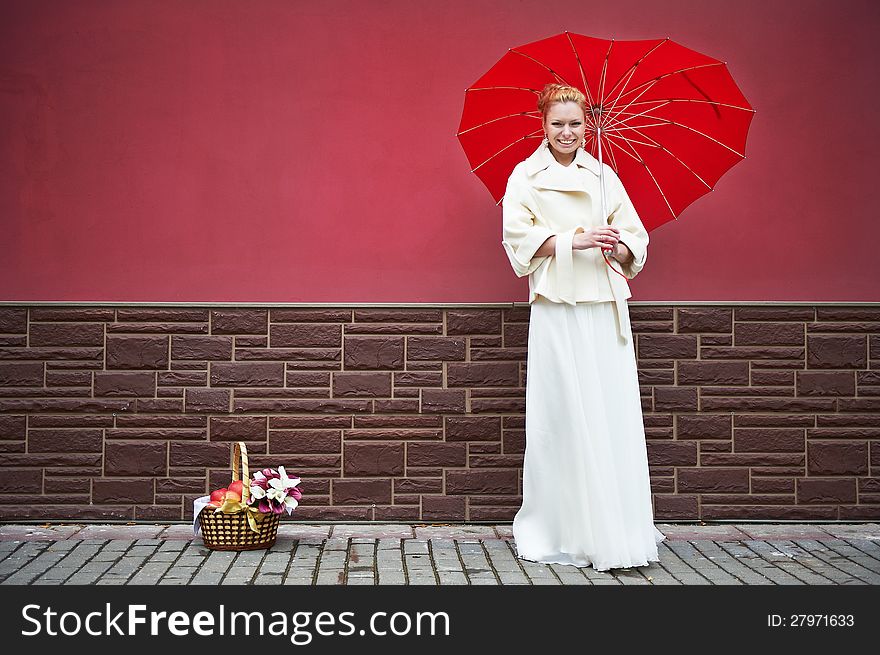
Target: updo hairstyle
column 554, row 93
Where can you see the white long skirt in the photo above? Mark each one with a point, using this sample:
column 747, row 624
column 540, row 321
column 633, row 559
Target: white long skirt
column 586, row 487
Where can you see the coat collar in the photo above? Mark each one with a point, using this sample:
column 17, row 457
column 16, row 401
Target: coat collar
column 542, row 158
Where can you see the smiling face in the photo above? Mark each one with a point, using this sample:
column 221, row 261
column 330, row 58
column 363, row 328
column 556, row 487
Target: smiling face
column 564, row 125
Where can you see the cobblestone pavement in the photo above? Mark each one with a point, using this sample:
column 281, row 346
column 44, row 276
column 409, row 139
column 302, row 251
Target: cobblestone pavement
column 430, row 554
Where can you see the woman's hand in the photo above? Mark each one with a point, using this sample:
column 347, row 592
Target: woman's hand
column 605, row 237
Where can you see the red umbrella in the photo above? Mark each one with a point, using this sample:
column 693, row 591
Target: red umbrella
column 670, row 121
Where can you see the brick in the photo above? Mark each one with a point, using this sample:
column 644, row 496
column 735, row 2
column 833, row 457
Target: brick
column 207, row 401
column 700, row 319
column 308, row 358
column 777, row 420
column 373, row 459
column 436, row 454
column 305, row 335
column 672, row 453
column 836, row 352
column 239, row 321
column 199, row 454
column 362, row 385
column 703, row 426
column 716, row 340
column 418, row 486
column 13, row 320
column 148, row 314
column 499, row 405
column 65, row 441
column 837, row 458
column 308, row 379
column 516, row 335
column 707, row 479
column 713, row 373
column 481, row 482
column 801, row 314
column 319, row 406
column 125, row 384
column 847, row 314
column 655, row 377
column 754, row 459
column 13, row 427
column 487, row 375
column 768, row 334
column 22, row 481
column 21, row 374
column 778, row 354
column 672, row 346
column 669, row 507
column 445, row 508
column 443, row 401
column 247, row 374
column 675, row 399
column 773, row 378
column 768, row 404
column 473, row 321
column 773, row 485
column 122, row 491
column 137, row 352
column 435, row 348
column 496, row 354
column 821, row 383
column 398, row 315
column 199, row 347
column 136, row 459
column 305, row 441
column 66, row 334
column 826, row 491
column 238, row 428
column 518, row 313
column 182, row 378
column 418, row 379
column 396, row 406
column 768, row 440
column 361, row 492
column 514, row 442
column 473, row 428
column 374, row 352
column 327, row 315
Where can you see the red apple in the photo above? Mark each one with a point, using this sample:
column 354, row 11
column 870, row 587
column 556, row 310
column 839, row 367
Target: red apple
column 218, row 495
column 236, row 486
column 231, row 495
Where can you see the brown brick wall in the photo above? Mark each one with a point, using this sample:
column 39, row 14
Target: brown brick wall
column 415, row 414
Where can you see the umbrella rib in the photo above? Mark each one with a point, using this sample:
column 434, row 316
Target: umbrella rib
column 533, row 135
column 702, row 102
column 629, row 73
column 581, row 69
column 605, row 70
column 499, row 118
column 665, row 121
column 504, row 88
column 652, row 82
column 671, row 154
column 639, row 159
column 543, row 65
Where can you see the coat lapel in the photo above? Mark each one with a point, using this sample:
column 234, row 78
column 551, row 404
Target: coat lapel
column 544, row 175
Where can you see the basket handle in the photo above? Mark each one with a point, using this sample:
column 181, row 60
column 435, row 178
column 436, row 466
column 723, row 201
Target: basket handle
column 239, row 454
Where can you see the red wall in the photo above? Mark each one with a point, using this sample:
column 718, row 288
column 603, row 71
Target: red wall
column 286, row 151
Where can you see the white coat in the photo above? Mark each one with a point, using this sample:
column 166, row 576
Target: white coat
column 544, row 199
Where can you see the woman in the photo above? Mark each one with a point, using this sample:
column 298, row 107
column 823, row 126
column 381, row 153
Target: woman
column 586, row 488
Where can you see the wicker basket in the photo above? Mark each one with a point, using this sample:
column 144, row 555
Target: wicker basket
column 222, row 531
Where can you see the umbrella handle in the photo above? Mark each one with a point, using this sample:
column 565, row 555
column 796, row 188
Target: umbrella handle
column 605, row 255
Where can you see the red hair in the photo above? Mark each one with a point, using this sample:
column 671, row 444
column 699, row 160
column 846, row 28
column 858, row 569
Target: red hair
column 554, row 93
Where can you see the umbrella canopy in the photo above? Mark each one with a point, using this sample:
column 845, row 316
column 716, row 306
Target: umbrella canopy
column 670, row 121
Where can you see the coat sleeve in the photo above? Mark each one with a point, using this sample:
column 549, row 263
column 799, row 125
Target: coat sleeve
column 624, row 218
column 522, row 236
